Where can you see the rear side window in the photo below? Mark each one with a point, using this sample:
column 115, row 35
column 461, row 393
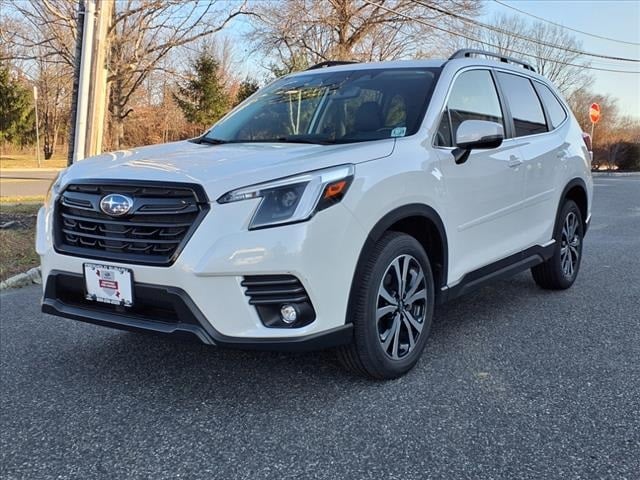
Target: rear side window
column 526, row 110
column 473, row 97
column 557, row 113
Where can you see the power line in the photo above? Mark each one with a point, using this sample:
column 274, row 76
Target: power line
column 435, row 27
column 524, row 37
column 565, row 27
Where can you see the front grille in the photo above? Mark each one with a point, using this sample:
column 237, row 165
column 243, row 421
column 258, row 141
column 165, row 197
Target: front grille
column 161, row 220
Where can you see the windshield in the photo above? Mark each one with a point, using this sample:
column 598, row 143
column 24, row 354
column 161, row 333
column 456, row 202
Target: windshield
column 332, row 107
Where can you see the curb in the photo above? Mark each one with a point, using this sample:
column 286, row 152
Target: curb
column 615, row 174
column 22, row 279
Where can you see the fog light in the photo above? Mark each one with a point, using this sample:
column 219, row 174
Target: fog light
column 288, row 313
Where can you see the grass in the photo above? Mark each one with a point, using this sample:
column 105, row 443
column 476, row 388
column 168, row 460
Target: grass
column 26, row 200
column 17, row 245
column 23, row 200
column 28, row 160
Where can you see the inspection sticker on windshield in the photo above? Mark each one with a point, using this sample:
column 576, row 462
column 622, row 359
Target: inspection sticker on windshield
column 108, row 284
column 398, row 131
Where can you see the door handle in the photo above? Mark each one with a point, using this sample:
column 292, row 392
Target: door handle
column 514, row 162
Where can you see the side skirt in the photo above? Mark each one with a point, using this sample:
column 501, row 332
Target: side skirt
column 504, row 268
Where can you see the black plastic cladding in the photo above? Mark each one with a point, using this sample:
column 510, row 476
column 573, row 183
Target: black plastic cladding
column 200, row 202
column 267, row 293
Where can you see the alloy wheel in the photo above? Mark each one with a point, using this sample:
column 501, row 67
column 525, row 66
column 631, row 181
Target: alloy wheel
column 401, row 306
column 570, row 245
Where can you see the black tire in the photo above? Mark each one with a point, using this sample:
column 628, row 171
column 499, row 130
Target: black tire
column 367, row 354
column 554, row 273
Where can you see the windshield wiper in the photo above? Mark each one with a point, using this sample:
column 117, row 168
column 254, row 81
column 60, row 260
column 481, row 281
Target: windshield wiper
column 213, row 141
column 313, row 141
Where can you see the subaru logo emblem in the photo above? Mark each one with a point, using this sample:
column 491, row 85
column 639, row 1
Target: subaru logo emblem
column 116, row 205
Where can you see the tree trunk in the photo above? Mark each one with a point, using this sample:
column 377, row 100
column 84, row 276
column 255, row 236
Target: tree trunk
column 116, row 125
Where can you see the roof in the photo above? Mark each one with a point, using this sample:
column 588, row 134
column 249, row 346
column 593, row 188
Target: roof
column 375, row 65
column 430, row 63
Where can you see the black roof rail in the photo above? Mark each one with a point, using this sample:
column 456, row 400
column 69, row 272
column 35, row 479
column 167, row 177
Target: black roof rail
column 467, row 52
column 330, row 63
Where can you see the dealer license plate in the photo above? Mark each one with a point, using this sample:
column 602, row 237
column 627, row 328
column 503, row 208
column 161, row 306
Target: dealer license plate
column 108, row 284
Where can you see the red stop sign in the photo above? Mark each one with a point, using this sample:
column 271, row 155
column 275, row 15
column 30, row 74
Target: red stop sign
column 594, row 112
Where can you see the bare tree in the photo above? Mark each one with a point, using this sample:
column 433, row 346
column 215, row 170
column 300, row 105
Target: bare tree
column 54, row 82
column 301, row 32
column 514, row 36
column 141, row 35
column 51, row 74
column 613, row 131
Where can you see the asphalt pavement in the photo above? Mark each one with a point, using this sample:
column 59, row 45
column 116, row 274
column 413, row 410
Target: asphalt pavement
column 29, row 182
column 516, row 383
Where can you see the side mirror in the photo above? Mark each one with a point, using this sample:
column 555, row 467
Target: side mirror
column 476, row 135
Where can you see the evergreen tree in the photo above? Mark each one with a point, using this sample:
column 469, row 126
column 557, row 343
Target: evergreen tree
column 16, row 111
column 247, row 88
column 203, row 99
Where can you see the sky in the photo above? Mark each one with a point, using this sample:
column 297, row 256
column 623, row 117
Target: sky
column 618, row 19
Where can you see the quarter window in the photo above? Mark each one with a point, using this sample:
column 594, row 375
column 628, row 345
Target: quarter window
column 557, row 113
column 473, row 97
column 527, row 113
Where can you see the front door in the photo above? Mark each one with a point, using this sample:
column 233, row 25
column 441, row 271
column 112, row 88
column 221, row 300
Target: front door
column 484, row 194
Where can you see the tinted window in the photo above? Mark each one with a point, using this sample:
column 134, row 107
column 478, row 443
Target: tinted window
column 332, row 107
column 473, row 97
column 528, row 117
column 557, row 114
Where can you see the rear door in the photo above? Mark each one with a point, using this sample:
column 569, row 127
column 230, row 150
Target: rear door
column 542, row 147
column 484, row 194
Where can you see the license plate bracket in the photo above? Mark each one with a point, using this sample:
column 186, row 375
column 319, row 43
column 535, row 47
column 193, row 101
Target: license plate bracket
column 108, row 284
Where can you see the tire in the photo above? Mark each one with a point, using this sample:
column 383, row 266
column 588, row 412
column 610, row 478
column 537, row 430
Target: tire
column 389, row 346
column 560, row 271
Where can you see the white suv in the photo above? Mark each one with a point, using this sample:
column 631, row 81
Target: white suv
column 335, row 207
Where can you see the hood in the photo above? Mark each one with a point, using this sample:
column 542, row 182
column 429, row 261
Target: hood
column 221, row 168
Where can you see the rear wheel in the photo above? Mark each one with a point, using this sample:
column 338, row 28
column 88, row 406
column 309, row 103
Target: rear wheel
column 561, row 270
column 392, row 309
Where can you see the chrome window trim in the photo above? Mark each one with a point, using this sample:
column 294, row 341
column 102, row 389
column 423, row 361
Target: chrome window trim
column 503, row 70
column 446, row 101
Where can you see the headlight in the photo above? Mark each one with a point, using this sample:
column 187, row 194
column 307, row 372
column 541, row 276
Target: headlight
column 54, row 189
column 294, row 199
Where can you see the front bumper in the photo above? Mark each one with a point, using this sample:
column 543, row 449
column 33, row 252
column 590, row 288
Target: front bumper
column 204, row 283
column 167, row 310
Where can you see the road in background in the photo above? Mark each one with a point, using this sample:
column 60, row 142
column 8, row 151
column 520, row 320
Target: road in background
column 516, row 383
column 21, row 183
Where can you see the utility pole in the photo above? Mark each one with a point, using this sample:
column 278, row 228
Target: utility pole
column 84, row 81
column 90, row 96
column 98, row 86
column 76, row 81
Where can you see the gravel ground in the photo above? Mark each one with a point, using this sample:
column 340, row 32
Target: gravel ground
column 516, row 382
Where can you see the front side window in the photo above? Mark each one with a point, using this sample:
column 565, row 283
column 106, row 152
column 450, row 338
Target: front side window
column 332, row 107
column 528, row 117
column 557, row 113
column 473, row 97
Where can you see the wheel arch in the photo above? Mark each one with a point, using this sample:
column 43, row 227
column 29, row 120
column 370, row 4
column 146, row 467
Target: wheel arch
column 576, row 190
column 425, row 225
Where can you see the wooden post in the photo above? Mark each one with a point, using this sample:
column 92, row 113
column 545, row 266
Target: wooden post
column 99, row 72
column 84, row 82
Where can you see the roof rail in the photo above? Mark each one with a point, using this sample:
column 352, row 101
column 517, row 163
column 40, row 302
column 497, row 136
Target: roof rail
column 331, row 63
column 467, row 52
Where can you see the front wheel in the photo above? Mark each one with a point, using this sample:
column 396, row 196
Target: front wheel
column 391, row 309
column 561, row 270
